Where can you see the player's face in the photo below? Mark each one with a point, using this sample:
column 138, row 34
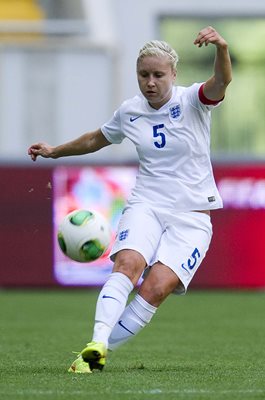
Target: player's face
column 155, row 78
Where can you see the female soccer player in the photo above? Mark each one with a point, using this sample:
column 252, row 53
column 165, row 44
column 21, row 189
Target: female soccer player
column 165, row 229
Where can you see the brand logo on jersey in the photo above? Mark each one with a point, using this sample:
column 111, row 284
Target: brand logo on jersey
column 132, row 119
column 211, row 199
column 105, row 296
column 175, row 111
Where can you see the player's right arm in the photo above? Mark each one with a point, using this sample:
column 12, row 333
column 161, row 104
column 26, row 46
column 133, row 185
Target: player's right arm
column 87, row 143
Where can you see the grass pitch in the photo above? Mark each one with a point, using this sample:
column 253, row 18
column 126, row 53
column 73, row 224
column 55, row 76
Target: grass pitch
column 205, row 345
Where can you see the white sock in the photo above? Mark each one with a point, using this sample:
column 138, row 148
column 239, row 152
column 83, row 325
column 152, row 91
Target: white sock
column 134, row 318
column 110, row 305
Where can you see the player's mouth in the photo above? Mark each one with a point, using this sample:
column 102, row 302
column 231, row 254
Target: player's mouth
column 150, row 93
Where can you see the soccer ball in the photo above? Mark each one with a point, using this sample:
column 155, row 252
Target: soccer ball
column 84, row 235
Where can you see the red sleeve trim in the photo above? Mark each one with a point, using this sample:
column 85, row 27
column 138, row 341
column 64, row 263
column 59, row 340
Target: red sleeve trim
column 204, row 99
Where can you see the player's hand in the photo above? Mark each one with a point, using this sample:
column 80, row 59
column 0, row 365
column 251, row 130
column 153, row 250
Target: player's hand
column 40, row 149
column 209, row 35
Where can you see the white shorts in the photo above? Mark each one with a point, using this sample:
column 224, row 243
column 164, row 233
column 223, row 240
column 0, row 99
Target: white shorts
column 178, row 240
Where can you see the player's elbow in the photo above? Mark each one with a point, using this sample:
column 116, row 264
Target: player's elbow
column 227, row 79
column 221, row 83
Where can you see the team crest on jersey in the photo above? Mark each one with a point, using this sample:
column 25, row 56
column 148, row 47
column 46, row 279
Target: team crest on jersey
column 175, row 111
column 123, row 234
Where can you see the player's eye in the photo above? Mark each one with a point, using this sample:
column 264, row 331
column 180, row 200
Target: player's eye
column 159, row 74
column 143, row 74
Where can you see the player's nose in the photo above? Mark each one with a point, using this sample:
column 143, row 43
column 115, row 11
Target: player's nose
column 151, row 82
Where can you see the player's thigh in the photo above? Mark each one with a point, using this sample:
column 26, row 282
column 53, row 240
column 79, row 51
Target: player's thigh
column 184, row 245
column 138, row 230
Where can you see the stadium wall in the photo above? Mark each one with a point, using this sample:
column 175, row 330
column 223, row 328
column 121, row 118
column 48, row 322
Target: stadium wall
column 26, row 227
column 236, row 258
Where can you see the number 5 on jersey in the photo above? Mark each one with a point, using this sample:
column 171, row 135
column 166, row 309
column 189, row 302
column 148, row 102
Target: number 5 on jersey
column 160, row 137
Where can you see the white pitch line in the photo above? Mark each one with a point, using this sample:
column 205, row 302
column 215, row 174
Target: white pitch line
column 192, row 391
column 48, row 392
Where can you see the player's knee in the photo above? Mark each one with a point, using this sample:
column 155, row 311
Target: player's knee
column 155, row 292
column 158, row 284
column 130, row 263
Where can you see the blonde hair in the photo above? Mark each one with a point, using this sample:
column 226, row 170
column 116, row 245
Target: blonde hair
column 159, row 48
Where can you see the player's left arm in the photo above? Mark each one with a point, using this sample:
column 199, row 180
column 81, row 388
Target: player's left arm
column 215, row 87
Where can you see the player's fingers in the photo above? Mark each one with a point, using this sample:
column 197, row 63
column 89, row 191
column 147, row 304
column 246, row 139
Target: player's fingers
column 32, row 155
column 30, row 150
column 204, row 35
column 35, row 150
column 199, row 36
column 210, row 38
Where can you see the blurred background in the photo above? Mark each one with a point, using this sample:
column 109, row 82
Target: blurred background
column 65, row 66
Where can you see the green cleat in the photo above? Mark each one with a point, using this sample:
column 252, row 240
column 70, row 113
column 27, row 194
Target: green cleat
column 95, row 354
column 79, row 366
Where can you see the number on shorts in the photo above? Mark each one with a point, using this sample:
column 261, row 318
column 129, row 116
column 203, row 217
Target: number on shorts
column 192, row 261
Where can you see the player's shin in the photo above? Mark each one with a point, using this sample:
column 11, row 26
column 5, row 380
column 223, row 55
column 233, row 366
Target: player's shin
column 110, row 305
column 134, row 318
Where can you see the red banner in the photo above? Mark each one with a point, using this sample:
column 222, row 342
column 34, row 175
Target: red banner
column 236, row 258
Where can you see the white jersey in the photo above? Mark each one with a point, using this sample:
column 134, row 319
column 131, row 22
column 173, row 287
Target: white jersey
column 173, row 145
